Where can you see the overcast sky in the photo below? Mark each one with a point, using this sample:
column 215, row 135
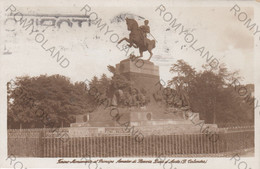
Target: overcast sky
column 90, row 51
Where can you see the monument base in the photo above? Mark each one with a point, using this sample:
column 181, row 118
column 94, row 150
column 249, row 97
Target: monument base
column 152, row 119
column 147, row 122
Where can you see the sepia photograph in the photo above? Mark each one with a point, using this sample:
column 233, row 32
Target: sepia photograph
column 129, row 84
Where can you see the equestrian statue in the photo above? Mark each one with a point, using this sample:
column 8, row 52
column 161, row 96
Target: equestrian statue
column 138, row 37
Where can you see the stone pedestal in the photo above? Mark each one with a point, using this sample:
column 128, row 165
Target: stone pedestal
column 143, row 73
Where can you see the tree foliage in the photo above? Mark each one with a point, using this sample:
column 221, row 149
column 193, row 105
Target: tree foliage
column 211, row 94
column 54, row 95
column 208, row 92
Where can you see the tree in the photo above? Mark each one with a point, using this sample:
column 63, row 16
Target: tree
column 54, row 96
column 185, row 74
column 210, row 93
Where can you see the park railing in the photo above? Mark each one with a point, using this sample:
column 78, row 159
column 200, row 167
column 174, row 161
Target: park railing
column 40, row 143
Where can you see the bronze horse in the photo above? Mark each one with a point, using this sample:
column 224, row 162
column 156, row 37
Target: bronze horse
column 136, row 38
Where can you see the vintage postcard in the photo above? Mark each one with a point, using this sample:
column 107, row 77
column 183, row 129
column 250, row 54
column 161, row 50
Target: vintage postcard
column 129, row 84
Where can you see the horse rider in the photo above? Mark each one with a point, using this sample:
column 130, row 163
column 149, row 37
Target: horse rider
column 145, row 29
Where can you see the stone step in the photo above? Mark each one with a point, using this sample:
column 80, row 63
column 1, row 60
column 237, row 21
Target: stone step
column 165, row 122
column 176, row 129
